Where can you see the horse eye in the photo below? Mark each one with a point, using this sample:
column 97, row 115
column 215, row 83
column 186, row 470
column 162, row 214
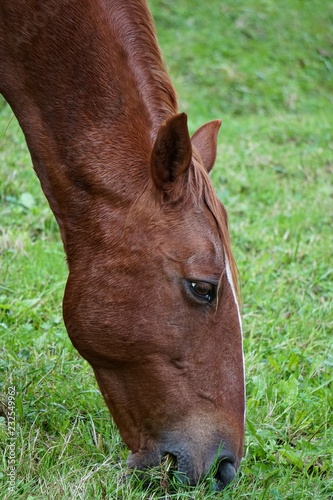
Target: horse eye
column 203, row 290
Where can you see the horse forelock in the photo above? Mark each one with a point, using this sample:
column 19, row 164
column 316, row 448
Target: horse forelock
column 200, row 183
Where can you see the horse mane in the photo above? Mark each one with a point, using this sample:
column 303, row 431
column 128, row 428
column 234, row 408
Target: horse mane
column 200, row 182
column 134, row 27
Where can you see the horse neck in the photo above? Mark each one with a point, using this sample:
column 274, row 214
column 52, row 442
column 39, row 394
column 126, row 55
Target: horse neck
column 87, row 84
column 134, row 28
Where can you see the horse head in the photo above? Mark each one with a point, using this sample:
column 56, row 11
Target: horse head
column 154, row 310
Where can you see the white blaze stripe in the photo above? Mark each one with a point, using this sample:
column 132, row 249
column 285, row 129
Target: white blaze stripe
column 231, row 283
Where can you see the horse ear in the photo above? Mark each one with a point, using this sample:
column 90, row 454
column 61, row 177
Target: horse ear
column 205, row 141
column 172, row 151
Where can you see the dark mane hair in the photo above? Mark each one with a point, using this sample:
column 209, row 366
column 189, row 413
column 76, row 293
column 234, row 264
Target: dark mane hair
column 199, row 178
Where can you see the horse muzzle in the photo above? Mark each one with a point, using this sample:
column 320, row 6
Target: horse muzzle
column 193, row 466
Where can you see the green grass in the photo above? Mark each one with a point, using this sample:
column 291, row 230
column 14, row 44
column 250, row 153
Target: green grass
column 266, row 69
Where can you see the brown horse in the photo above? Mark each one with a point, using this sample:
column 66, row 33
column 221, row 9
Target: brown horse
column 151, row 297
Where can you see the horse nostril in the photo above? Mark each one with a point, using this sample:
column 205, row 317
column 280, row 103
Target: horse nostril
column 225, row 473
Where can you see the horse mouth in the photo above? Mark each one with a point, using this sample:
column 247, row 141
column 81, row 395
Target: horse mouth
column 178, row 464
column 222, row 475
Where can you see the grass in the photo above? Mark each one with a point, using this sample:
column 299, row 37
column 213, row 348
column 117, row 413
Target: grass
column 267, row 71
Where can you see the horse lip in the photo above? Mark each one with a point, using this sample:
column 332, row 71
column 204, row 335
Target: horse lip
column 223, row 468
column 143, row 460
column 182, row 471
column 186, row 471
